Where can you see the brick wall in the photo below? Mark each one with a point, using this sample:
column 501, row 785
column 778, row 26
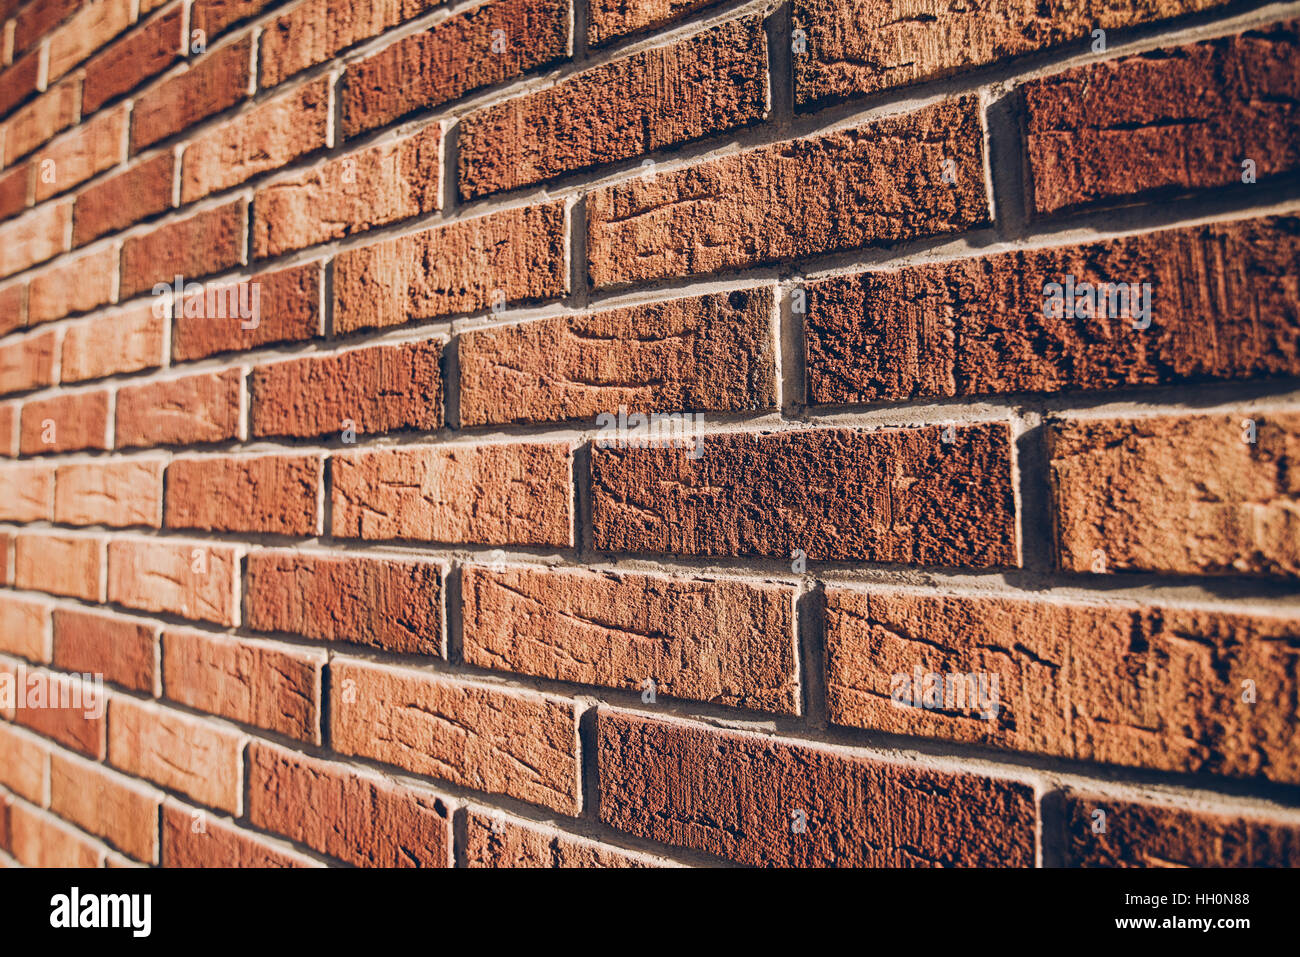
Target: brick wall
column 353, row 534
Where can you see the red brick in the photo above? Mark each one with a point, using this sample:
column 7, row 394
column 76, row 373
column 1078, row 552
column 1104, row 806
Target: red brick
column 901, row 496
column 1167, row 122
column 107, row 805
column 314, row 31
column 38, row 841
column 192, row 838
column 123, row 650
column 865, row 46
column 1182, row 494
column 451, row 59
column 372, row 390
column 515, row 494
column 710, row 352
column 89, row 29
column 74, row 285
column 607, row 20
column 351, row 194
column 515, row 255
column 13, row 308
column 289, row 303
column 269, row 136
column 127, row 341
column 24, row 627
column 198, row 758
column 268, row 686
column 195, row 408
column 1150, row 686
column 724, row 642
column 215, row 16
column 118, row 493
column 267, row 493
column 59, row 564
column 35, row 237
column 205, row 243
column 124, row 199
column 357, row 817
column 26, row 492
column 23, row 763
column 65, row 423
column 143, row 54
column 6, row 550
column 742, row 796
column 19, row 81
column 71, row 712
column 195, row 580
column 9, row 416
column 28, row 363
column 499, row 840
column 96, row 145
column 211, row 85
column 35, row 20
column 384, row 603
column 1139, row 834
column 41, row 120
column 709, row 83
column 518, row 743
column 977, row 326
column 878, row 184
column 15, row 187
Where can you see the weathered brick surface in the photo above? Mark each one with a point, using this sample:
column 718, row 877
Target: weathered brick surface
column 37, row 840
column 214, row 17
column 453, row 58
column 878, row 184
column 93, row 147
column 124, row 199
column 710, row 352
column 127, row 341
column 194, row 408
column 706, row 84
column 202, row 244
column 977, row 326
column 497, row 740
column 76, row 285
column 516, row 255
column 723, row 642
column 500, row 840
column 107, row 805
column 196, row 580
column 213, row 83
column 65, row 423
column 26, row 492
column 68, row 565
column 1152, row 686
column 142, row 54
column 38, row 122
column 376, row 186
column 356, row 817
column 733, row 795
column 90, row 28
column 116, row 493
column 19, row 81
column 73, row 715
column 607, row 20
column 900, row 496
column 266, row 137
column 864, row 46
column 266, row 493
column 195, row 838
column 1167, row 122
column 35, row 20
column 510, row 494
column 23, row 763
column 1185, row 494
column 27, row 363
column 312, row 32
column 13, row 308
column 1152, row 835
column 34, row 237
column 289, row 305
column 200, row 759
column 377, row 389
column 254, row 683
column 384, row 603
column 25, row 627
column 123, row 650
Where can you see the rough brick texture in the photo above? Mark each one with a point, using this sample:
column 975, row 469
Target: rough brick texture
column 649, row 433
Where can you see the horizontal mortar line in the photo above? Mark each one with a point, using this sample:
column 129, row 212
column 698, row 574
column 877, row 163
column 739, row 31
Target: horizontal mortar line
column 816, row 120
